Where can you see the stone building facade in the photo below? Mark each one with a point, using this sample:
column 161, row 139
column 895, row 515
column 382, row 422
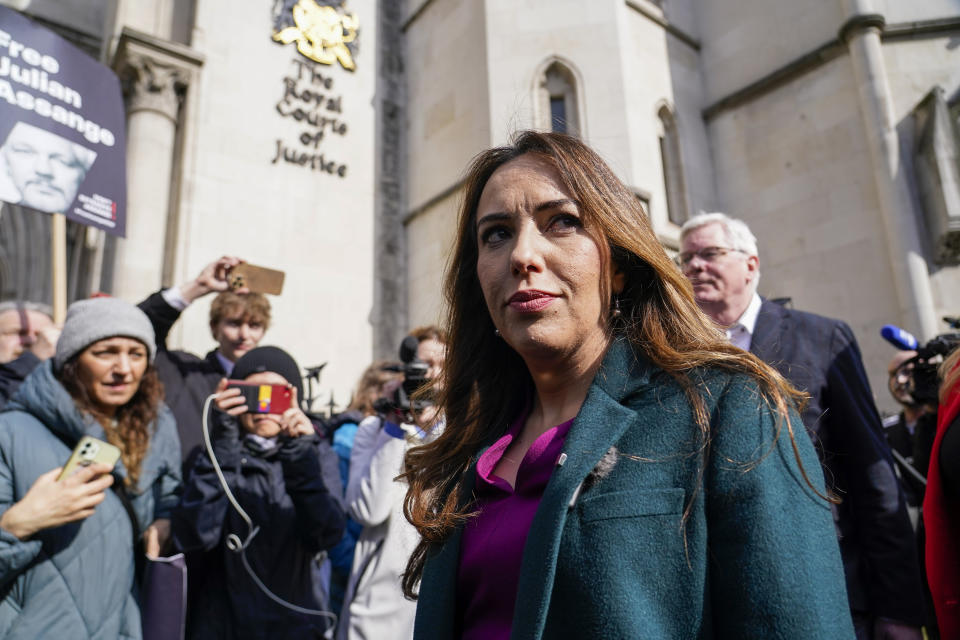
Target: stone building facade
column 832, row 132
column 808, row 124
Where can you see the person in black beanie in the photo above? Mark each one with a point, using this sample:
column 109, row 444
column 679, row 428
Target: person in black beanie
column 286, row 478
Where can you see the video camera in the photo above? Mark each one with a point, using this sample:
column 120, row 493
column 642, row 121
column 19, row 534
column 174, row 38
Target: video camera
column 924, row 385
column 414, row 378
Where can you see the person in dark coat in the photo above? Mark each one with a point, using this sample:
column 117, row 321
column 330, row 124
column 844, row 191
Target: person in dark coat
column 610, row 466
column 908, row 430
column 13, row 373
column 286, row 478
column 238, row 322
column 820, row 356
column 27, row 338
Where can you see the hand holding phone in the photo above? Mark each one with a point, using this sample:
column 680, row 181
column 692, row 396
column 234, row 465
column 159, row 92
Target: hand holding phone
column 51, row 502
column 90, row 451
column 294, row 422
column 214, row 278
column 230, row 401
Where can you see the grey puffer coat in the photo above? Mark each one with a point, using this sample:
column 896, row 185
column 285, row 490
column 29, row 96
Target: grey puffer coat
column 76, row 580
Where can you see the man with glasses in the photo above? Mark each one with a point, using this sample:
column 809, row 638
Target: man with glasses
column 27, row 338
column 820, row 356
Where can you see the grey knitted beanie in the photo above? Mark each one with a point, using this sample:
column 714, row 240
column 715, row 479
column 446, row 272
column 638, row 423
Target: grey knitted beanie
column 91, row 320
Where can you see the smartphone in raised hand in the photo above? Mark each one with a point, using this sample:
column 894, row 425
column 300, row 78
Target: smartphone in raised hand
column 256, row 279
column 264, row 398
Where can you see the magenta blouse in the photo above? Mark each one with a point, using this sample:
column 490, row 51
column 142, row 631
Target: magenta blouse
column 492, row 545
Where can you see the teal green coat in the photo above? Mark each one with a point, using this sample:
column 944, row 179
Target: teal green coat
column 608, row 554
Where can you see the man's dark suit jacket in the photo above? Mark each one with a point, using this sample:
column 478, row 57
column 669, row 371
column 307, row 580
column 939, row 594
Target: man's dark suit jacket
column 820, row 356
column 13, row 373
column 187, row 379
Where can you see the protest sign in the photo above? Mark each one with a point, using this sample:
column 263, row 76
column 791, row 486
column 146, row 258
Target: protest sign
column 62, row 143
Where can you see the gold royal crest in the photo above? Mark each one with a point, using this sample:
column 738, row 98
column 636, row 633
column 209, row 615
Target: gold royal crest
column 321, row 33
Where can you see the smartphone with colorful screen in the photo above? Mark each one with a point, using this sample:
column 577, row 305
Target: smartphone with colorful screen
column 89, row 451
column 264, row 398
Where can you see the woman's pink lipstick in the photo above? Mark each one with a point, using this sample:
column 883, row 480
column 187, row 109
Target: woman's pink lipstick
column 530, row 300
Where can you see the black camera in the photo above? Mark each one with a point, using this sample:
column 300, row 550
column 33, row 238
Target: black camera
column 921, row 370
column 924, row 379
column 918, row 385
column 414, row 379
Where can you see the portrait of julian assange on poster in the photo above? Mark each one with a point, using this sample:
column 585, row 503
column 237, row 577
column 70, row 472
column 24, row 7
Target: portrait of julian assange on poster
column 62, row 136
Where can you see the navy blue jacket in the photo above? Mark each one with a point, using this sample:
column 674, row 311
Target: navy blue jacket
column 13, row 373
column 820, row 356
column 292, row 492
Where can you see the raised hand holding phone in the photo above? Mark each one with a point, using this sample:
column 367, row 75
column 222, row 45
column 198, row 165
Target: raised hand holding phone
column 50, row 502
column 294, row 422
column 213, row 278
column 230, row 400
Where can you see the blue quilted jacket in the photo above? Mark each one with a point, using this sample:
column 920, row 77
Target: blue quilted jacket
column 76, row 580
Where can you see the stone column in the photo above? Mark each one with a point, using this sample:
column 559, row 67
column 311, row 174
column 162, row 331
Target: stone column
column 389, row 315
column 861, row 33
column 155, row 75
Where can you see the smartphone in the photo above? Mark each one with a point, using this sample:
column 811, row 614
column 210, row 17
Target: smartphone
column 256, row 279
column 90, row 451
column 264, row 398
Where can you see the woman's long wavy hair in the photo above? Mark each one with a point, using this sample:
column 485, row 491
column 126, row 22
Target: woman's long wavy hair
column 482, row 394
column 134, row 423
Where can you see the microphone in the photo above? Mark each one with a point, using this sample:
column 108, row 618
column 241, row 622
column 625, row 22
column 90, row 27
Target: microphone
column 408, row 349
column 899, row 338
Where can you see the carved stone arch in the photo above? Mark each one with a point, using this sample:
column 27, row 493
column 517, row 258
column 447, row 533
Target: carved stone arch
column 671, row 158
column 558, row 90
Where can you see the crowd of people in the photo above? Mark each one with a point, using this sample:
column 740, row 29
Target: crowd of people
column 601, row 441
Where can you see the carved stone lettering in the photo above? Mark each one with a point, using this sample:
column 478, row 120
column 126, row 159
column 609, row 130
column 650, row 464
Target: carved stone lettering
column 309, row 99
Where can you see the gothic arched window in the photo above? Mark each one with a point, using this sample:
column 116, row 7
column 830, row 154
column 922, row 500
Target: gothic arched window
column 558, row 105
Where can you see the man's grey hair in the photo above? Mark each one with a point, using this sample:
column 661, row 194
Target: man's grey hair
column 737, row 233
column 15, row 305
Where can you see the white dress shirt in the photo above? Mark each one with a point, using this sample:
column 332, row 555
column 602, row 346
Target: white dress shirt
column 740, row 332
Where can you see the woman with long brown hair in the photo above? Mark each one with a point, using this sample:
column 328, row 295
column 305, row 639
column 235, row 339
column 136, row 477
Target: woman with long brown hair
column 611, row 467
column 68, row 546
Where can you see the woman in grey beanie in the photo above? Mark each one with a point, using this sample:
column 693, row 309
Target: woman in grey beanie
column 68, row 547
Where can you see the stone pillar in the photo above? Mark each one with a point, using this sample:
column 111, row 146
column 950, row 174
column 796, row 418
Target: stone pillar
column 155, row 75
column 861, row 33
column 389, row 315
